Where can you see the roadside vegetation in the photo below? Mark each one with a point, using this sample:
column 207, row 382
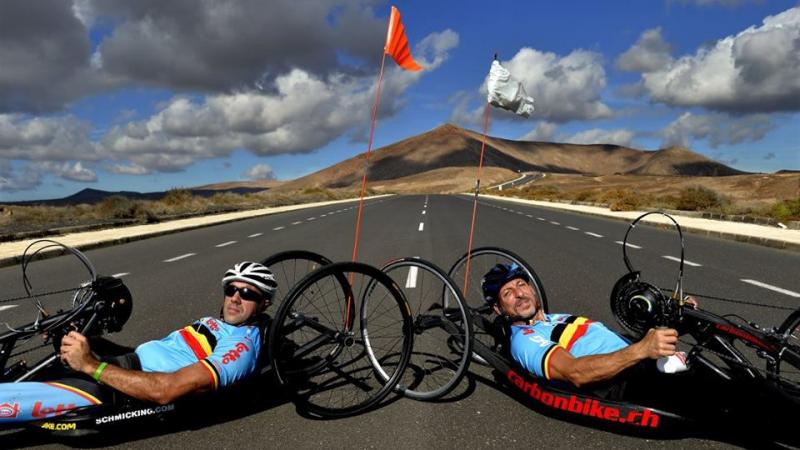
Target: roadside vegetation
column 177, row 203
column 694, row 198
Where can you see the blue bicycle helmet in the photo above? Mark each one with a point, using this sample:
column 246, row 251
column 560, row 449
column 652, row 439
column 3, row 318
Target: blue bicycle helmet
column 498, row 276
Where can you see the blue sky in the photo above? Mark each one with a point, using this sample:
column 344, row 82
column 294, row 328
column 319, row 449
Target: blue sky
column 147, row 95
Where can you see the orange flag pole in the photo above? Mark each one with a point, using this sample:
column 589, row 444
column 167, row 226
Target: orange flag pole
column 397, row 46
column 477, row 191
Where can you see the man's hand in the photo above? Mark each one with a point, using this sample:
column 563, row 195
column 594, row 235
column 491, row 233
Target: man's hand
column 76, row 352
column 659, row 342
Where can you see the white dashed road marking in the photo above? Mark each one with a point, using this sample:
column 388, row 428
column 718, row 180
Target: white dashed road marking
column 593, row 234
column 554, row 223
column 573, row 229
column 255, row 235
column 178, row 258
column 411, row 280
column 628, row 244
column 540, row 218
column 225, row 244
column 423, row 213
column 688, row 263
column 771, row 287
column 278, row 228
column 421, row 226
column 4, row 307
column 297, row 223
column 120, row 275
column 529, row 216
column 311, row 218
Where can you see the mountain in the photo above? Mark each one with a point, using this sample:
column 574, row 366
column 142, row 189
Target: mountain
column 449, row 146
column 92, row 196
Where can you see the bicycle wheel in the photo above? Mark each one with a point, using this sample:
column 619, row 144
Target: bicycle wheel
column 480, row 262
column 442, row 330
column 317, row 344
column 291, row 266
column 785, row 371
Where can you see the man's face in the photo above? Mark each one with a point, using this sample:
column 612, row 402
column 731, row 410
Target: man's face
column 236, row 310
column 516, row 299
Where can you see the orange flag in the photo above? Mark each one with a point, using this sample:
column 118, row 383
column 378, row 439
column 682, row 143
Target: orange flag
column 397, row 43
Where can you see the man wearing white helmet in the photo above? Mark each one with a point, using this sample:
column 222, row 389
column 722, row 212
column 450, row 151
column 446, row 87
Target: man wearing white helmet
column 208, row 354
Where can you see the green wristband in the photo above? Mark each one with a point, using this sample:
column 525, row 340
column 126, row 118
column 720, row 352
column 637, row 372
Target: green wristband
column 99, row 371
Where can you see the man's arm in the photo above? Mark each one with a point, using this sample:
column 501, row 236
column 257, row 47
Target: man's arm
column 155, row 387
column 595, row 368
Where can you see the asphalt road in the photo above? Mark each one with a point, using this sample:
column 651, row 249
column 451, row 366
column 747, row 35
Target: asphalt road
column 577, row 258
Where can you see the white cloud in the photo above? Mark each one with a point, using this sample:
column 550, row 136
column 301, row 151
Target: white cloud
column 648, row 54
column 544, row 131
column 127, row 169
column 718, row 129
column 66, row 170
column 599, row 136
column 45, row 138
column 302, row 112
column 259, row 172
column 758, row 70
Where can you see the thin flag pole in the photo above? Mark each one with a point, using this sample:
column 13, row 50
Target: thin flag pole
column 477, row 191
column 366, row 159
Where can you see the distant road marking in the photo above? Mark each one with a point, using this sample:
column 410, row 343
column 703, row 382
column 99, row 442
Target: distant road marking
column 771, row 287
column 297, row 223
column 120, row 275
column 423, row 212
column 225, row 244
column 255, row 235
column 573, row 229
column 554, row 223
column 2, row 308
column 672, row 258
column 628, row 244
column 421, row 226
column 529, row 216
column 278, row 228
column 311, row 218
column 323, row 215
column 593, row 234
column 540, row 218
column 178, row 258
column 411, row 280
column 520, row 212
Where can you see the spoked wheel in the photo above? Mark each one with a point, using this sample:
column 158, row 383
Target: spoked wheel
column 317, row 343
column 442, row 330
column 290, row 267
column 481, row 261
column 786, row 369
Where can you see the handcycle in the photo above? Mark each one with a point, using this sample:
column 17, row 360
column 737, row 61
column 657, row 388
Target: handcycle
column 639, row 306
column 315, row 342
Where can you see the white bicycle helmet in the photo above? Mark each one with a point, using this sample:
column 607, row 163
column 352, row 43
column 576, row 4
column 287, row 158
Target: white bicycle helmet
column 256, row 274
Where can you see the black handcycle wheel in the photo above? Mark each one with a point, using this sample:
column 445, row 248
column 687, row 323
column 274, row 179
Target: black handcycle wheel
column 442, row 330
column 317, row 327
column 481, row 260
column 291, row 266
column 785, row 371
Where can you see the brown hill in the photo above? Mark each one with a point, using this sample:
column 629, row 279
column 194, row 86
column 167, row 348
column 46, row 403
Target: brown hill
column 449, row 146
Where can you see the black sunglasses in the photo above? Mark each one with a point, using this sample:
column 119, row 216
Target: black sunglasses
column 245, row 293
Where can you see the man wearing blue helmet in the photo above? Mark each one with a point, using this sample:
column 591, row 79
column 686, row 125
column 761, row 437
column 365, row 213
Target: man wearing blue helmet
column 566, row 347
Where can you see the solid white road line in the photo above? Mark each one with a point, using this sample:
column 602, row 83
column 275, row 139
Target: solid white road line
column 411, row 280
column 554, row 223
column 120, row 275
column 4, row 307
column 593, row 234
column 628, row 244
column 689, row 263
column 178, row 258
column 255, row 235
column 771, row 287
column 297, row 223
column 225, row 244
column 278, row 228
column 421, row 226
column 573, row 228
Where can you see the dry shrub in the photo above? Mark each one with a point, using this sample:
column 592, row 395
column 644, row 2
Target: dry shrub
column 698, row 198
column 786, row 209
column 622, row 200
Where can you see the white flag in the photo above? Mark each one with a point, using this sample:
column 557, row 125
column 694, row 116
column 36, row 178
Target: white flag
column 508, row 93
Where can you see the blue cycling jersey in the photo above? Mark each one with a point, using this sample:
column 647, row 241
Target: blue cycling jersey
column 534, row 343
column 228, row 352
